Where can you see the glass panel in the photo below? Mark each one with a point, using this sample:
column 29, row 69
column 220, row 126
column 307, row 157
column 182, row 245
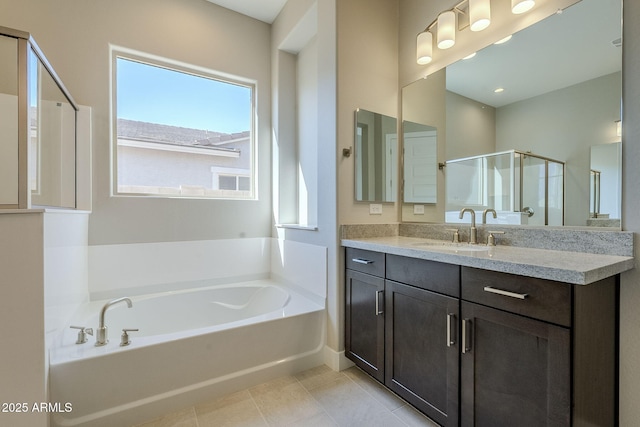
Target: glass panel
column 8, row 121
column 556, row 194
column 52, row 140
column 533, row 189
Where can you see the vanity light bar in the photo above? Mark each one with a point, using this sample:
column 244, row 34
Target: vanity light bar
column 478, row 13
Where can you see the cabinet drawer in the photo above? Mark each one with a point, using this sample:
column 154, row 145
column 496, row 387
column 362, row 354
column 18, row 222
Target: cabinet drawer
column 365, row 261
column 425, row 274
column 536, row 298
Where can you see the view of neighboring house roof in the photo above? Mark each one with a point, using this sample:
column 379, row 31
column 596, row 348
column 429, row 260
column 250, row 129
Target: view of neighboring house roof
column 154, row 132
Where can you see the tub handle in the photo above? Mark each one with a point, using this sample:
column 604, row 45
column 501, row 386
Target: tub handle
column 82, row 333
column 124, row 339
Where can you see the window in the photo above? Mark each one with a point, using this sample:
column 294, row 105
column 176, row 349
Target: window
column 175, row 125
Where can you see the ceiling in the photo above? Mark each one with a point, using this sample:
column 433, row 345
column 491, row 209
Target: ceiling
column 560, row 51
column 263, row 10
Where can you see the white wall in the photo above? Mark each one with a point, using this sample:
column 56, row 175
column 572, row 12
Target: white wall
column 75, row 37
column 320, row 16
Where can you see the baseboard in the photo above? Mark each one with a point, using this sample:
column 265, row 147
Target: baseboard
column 336, row 360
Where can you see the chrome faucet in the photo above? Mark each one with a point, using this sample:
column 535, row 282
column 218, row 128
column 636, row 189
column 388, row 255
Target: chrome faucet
column 101, row 333
column 485, row 212
column 473, row 238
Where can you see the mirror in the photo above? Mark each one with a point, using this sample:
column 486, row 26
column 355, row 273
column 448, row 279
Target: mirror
column 561, row 81
column 376, row 154
column 605, row 185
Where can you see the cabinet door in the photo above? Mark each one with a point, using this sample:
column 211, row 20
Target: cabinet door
column 422, row 350
column 364, row 322
column 515, row 371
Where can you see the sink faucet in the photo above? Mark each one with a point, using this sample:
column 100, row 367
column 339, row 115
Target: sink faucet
column 101, row 333
column 485, row 212
column 473, row 239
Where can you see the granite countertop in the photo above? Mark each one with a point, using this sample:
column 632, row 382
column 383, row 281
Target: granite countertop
column 563, row 266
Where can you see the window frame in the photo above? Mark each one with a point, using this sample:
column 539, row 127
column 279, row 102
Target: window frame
column 117, row 52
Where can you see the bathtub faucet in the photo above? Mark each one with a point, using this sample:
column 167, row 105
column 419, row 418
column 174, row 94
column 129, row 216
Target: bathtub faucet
column 101, row 333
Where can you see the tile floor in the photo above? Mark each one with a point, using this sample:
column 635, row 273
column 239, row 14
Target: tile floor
column 317, row 397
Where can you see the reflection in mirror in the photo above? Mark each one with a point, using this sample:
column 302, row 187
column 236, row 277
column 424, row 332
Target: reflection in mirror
column 561, row 81
column 8, row 121
column 420, row 162
column 52, row 150
column 376, row 148
column 605, row 185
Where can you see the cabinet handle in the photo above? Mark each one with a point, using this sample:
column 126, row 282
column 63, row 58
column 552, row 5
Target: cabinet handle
column 466, row 336
column 362, row 261
column 451, row 335
column 378, row 311
column 505, row 293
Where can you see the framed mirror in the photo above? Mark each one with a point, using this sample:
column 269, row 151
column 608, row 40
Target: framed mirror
column 553, row 90
column 376, row 157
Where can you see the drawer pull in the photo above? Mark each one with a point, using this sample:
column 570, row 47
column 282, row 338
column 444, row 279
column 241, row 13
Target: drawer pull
column 505, row 293
column 362, row 261
column 451, row 335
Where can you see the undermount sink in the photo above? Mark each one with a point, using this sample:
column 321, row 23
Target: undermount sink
column 456, row 247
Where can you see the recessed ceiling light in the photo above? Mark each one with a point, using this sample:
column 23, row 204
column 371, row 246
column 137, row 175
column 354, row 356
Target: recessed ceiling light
column 504, row 40
column 470, row 56
column 498, row 90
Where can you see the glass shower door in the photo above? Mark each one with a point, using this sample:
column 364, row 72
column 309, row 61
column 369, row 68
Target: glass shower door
column 534, row 193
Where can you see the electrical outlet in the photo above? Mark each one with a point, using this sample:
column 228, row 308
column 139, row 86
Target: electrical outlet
column 375, row 209
column 418, row 209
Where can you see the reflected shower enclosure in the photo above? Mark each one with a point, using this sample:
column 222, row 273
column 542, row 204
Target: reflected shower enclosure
column 37, row 128
column 523, row 188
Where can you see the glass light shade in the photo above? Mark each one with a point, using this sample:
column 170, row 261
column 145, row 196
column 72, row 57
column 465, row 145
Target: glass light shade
column 479, row 14
column 424, row 48
column 446, row 29
column 521, row 6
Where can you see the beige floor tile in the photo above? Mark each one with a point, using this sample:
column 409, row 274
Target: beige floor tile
column 284, row 401
column 375, row 389
column 413, row 418
column 235, row 410
column 349, row 405
column 318, row 376
column 183, row 418
column 320, row 420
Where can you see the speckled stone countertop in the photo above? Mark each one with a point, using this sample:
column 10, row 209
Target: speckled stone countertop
column 563, row 266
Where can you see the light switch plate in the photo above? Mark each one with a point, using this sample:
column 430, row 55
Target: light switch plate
column 418, row 209
column 375, row 209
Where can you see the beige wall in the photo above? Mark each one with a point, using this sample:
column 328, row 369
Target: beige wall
column 367, row 79
column 629, row 286
column 75, row 37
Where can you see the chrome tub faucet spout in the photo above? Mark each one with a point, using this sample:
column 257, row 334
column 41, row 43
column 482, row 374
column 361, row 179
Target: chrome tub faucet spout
column 101, row 334
column 473, row 235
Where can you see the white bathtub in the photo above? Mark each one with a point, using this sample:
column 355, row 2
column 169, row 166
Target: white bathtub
column 192, row 345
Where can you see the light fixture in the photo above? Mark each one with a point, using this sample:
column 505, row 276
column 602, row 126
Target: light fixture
column 504, row 40
column 618, row 128
column 499, row 90
column 479, row 14
column 446, row 29
column 470, row 56
column 424, row 48
column 521, row 6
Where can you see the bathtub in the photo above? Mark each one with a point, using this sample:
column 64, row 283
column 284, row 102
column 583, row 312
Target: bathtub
column 191, row 346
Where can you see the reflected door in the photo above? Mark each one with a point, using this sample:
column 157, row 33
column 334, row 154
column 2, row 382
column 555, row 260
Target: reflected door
column 420, row 167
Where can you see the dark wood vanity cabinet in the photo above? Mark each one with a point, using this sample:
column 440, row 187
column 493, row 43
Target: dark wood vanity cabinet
column 364, row 311
column 473, row 347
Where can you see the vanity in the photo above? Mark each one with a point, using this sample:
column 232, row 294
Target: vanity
column 487, row 336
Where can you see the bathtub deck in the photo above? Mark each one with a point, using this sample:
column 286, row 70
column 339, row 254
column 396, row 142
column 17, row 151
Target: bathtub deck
column 318, row 396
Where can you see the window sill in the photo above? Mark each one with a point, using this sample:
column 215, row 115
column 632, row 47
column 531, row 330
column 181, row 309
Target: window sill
column 298, row 227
